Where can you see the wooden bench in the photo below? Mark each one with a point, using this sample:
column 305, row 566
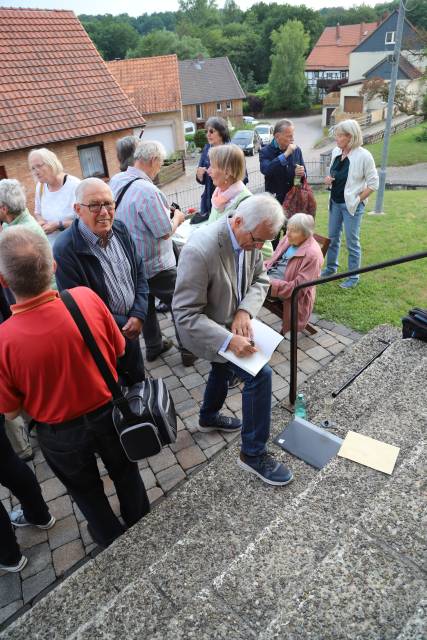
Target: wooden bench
column 276, row 306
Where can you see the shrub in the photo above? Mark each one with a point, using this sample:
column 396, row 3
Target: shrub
column 255, row 103
column 200, row 138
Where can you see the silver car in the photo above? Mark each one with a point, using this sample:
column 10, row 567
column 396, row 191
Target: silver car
column 265, row 132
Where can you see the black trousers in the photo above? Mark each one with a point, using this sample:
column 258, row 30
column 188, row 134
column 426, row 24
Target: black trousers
column 162, row 286
column 21, row 481
column 130, row 366
column 69, row 449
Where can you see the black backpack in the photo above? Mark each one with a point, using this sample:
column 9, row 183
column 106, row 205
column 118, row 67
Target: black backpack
column 414, row 325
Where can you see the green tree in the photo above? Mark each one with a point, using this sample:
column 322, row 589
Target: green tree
column 112, row 39
column 160, row 43
column 287, row 83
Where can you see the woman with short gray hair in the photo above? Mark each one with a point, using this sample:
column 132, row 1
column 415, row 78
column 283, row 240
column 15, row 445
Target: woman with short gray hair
column 352, row 178
column 297, row 259
column 13, row 207
column 55, row 192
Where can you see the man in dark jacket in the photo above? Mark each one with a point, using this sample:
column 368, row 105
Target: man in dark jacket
column 98, row 252
column 281, row 160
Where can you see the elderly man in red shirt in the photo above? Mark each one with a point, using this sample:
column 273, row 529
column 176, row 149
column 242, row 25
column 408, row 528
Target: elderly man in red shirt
column 46, row 369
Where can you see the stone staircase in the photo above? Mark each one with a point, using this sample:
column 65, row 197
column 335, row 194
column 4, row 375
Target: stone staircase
column 336, row 554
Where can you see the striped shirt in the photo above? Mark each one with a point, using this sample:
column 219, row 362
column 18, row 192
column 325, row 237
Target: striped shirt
column 145, row 212
column 116, row 268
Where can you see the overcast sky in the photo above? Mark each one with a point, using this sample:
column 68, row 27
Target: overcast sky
column 138, row 7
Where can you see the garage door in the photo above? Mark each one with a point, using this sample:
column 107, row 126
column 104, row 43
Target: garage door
column 353, row 104
column 161, row 133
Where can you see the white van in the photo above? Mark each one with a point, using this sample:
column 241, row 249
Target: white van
column 265, row 132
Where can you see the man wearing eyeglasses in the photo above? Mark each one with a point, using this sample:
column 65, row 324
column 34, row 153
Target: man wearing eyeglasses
column 221, row 285
column 98, row 252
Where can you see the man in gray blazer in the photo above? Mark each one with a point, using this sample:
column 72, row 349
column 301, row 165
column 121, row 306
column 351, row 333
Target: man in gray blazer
column 221, row 285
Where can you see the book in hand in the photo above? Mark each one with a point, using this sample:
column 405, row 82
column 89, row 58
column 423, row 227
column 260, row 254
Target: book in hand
column 266, row 341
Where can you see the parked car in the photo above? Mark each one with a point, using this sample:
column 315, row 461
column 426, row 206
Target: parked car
column 265, row 132
column 189, row 128
column 249, row 141
column 250, row 120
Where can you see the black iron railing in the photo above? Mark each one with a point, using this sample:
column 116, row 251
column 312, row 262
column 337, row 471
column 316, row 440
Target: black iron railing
column 339, row 276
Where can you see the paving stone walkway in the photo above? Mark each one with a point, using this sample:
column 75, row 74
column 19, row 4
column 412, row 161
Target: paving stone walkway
column 55, row 553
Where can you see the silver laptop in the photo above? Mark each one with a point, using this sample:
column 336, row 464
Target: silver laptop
column 310, row 443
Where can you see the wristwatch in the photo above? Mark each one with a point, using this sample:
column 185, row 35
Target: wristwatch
column 60, row 225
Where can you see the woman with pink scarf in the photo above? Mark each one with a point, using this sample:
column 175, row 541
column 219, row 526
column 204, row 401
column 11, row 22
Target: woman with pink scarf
column 227, row 170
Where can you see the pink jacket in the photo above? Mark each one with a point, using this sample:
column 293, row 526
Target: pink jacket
column 305, row 265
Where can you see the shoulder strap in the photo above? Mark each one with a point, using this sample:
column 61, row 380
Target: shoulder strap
column 90, row 341
column 123, row 191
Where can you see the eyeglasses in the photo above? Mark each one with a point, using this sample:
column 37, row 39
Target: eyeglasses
column 256, row 240
column 96, row 208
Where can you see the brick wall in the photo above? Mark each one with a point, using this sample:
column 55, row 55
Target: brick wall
column 16, row 165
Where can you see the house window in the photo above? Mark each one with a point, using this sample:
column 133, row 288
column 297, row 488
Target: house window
column 92, row 160
column 199, row 111
column 316, row 74
column 344, row 74
column 218, row 106
column 229, row 105
column 389, row 37
column 3, row 173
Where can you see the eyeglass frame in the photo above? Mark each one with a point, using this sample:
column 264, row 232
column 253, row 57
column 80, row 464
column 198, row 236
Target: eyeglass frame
column 109, row 206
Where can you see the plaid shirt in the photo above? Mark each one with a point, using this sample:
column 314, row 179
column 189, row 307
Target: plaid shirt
column 145, row 212
column 116, row 269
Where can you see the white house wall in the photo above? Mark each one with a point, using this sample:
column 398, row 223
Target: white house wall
column 361, row 62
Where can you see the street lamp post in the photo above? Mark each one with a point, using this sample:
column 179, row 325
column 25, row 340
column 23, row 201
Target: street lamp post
column 392, row 89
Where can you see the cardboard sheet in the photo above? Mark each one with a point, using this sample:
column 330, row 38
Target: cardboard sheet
column 369, row 452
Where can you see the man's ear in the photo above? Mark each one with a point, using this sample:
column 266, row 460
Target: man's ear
column 77, row 208
column 54, row 266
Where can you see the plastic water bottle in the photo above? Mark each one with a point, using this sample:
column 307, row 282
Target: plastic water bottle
column 300, row 406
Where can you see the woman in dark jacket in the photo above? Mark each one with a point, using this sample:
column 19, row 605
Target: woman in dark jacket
column 217, row 133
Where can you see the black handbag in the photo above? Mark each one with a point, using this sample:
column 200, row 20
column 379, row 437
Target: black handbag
column 414, row 325
column 144, row 418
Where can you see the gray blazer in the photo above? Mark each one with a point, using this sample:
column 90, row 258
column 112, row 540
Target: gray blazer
column 205, row 299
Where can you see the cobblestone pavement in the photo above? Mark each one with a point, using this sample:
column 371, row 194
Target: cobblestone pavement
column 55, row 553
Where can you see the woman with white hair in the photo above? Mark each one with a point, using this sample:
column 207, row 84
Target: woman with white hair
column 352, row 178
column 55, row 192
column 297, row 259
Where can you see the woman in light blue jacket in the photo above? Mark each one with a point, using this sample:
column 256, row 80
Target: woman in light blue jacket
column 352, row 178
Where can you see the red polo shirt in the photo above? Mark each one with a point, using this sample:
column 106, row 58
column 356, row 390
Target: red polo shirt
column 46, row 367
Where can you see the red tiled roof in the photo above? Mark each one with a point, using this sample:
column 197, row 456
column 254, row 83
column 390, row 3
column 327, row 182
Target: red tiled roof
column 54, row 85
column 334, row 46
column 151, row 83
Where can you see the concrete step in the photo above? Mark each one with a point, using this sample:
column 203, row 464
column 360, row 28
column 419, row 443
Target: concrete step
column 224, row 555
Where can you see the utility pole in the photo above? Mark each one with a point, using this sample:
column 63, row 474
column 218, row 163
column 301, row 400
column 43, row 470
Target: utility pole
column 390, row 105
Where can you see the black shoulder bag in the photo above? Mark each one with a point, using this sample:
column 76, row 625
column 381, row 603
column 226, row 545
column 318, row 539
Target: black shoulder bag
column 145, row 418
column 123, row 191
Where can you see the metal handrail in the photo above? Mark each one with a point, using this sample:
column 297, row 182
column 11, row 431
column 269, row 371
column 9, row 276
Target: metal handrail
column 311, row 283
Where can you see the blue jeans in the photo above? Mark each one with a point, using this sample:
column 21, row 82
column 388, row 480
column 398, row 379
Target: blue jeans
column 21, row 481
column 256, row 403
column 338, row 214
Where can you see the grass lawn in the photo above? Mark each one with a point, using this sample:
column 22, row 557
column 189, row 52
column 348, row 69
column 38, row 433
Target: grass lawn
column 403, row 148
column 386, row 295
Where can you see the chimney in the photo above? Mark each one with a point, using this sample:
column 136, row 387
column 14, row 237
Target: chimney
column 362, row 28
column 337, row 32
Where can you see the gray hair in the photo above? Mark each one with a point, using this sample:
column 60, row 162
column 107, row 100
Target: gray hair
column 149, row 150
column 282, row 124
column 352, row 129
column 26, row 261
column 262, row 207
column 12, row 196
column 87, row 182
column 125, row 148
column 49, row 158
column 302, row 222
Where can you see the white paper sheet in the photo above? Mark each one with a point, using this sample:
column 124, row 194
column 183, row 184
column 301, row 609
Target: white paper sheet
column 266, row 341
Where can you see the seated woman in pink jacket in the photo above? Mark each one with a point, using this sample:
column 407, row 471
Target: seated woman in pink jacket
column 297, row 258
